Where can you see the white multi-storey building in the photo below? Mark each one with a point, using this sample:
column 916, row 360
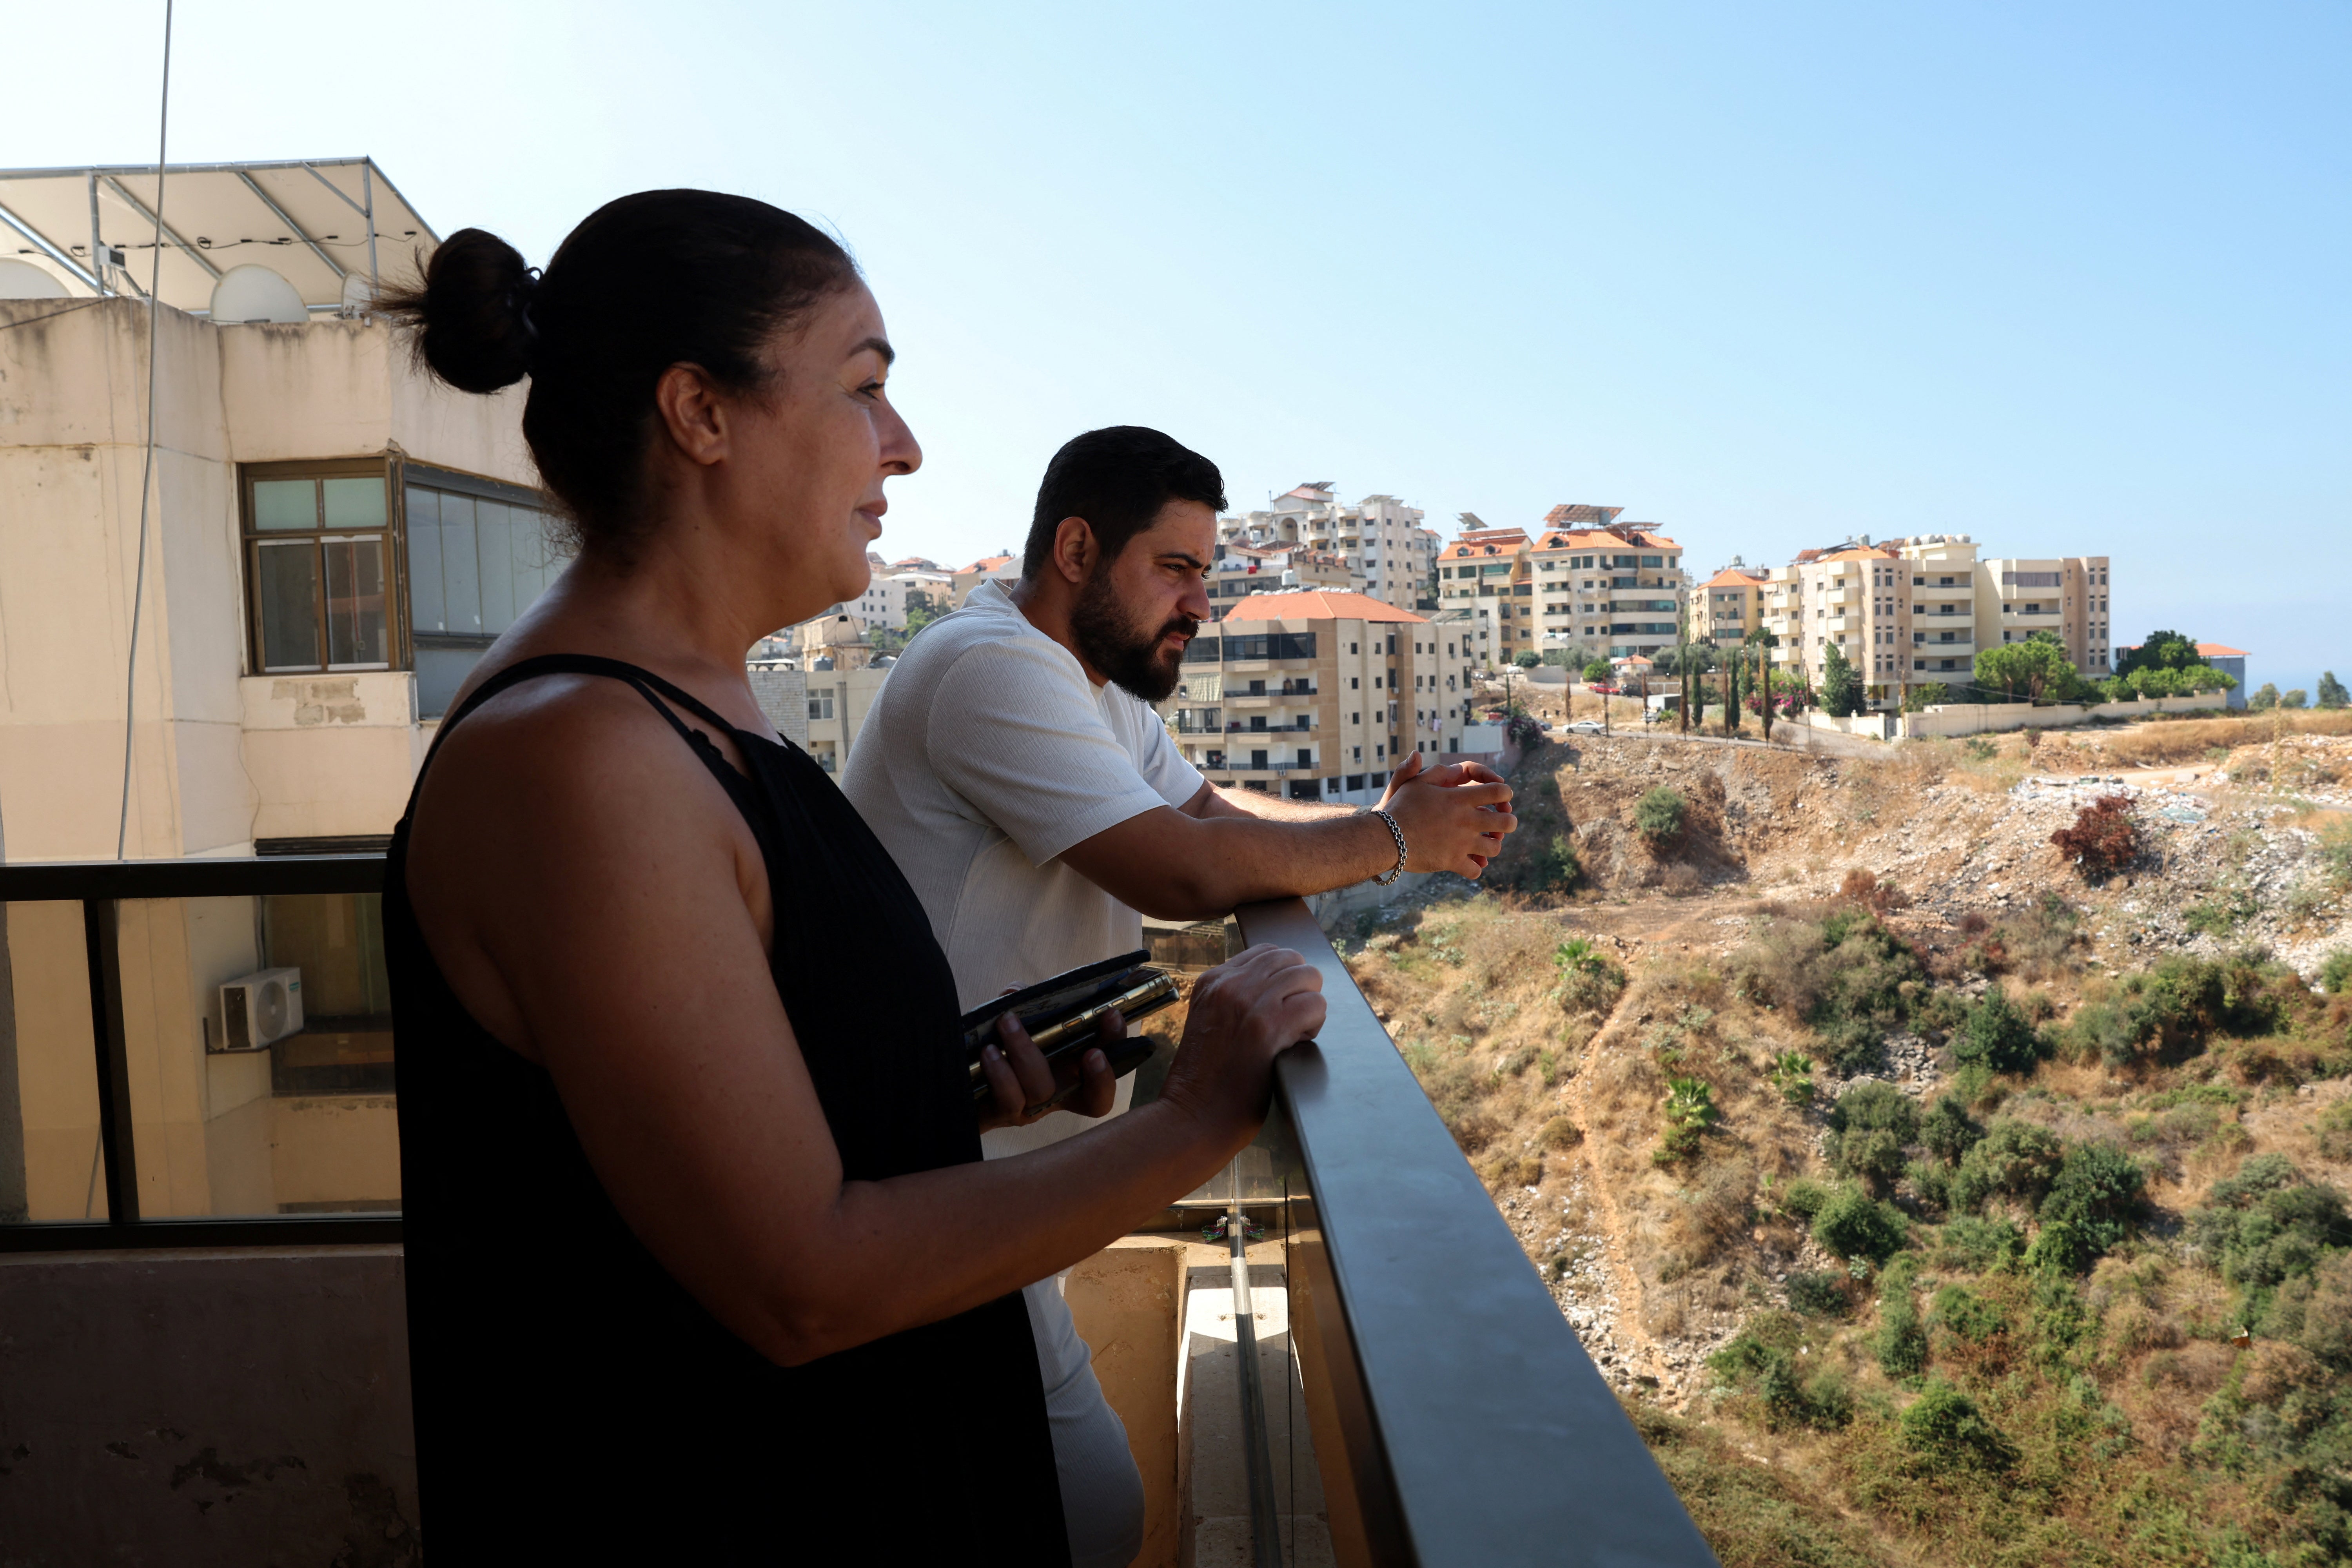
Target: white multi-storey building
column 1388, row 555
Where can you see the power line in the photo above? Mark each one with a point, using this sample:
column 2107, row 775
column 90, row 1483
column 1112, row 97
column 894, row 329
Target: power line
column 147, row 467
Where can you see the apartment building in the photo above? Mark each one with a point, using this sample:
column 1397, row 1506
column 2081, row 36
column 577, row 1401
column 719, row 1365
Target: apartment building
column 1911, row 611
column 820, row 705
column 1605, row 588
column 1486, row 574
column 1851, row 598
column 1379, row 540
column 1729, row 605
column 2065, row 595
column 1241, row 570
column 1004, row 569
column 1317, row 695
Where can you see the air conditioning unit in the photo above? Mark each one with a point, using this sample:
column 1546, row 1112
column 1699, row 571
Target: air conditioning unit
column 259, row 1008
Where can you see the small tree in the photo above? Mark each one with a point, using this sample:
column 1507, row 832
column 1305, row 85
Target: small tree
column 2105, row 838
column 1839, row 690
column 2034, row 665
column 2331, row 692
column 2162, row 651
column 2265, row 697
column 1764, row 642
column 2297, row 697
column 1926, row 695
column 1658, row 816
column 1596, row 671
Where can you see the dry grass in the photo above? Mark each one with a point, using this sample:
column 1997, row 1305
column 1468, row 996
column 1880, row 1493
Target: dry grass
column 2166, row 743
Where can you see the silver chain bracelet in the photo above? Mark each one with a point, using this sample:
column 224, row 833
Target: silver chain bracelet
column 1397, row 834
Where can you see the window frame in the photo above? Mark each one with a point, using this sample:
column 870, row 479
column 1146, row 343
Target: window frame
column 393, row 535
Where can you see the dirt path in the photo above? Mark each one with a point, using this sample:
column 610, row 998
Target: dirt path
column 1621, row 1326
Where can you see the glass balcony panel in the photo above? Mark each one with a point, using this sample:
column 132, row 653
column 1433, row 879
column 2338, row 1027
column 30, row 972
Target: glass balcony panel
column 51, row 1166
column 257, row 1034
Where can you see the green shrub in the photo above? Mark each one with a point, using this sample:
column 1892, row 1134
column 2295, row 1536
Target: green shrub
column 1819, row 1293
column 2181, row 1001
column 1900, row 1342
column 2315, row 1310
column 2267, row 1224
column 1945, row 1424
column 1792, row 1074
column 1658, row 816
column 1849, row 977
column 2336, row 852
column 2014, row 1158
column 1948, row 1130
column 1690, row 1112
column 1805, row 1199
column 2000, row 1035
column 2097, row 1192
column 2336, row 972
column 1762, row 1358
column 1551, row 867
column 1589, row 982
column 2221, row 914
column 1978, row 1245
column 1853, row 1225
column 1964, row 1314
column 1868, row 1127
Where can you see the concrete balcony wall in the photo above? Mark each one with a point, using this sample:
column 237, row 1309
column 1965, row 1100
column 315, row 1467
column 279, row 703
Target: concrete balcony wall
column 194, row 1407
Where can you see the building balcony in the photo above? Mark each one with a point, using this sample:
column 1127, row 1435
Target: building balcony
column 1386, row 1354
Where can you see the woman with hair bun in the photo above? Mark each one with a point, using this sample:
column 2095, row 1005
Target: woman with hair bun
column 703, row 1263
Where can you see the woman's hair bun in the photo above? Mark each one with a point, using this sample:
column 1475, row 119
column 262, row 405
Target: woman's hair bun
column 471, row 315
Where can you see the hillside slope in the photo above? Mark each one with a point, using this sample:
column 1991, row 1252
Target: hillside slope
column 1928, row 1201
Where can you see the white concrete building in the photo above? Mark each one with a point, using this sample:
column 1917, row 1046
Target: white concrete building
column 331, row 539
column 1379, row 540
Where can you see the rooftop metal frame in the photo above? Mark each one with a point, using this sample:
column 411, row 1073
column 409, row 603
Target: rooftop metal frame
column 101, row 275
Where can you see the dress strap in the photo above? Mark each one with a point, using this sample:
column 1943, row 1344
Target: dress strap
column 645, row 681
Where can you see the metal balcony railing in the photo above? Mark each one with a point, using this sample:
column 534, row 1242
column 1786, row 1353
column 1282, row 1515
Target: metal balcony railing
column 99, row 888
column 1454, row 1417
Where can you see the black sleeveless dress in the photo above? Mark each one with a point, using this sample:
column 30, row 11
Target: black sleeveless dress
column 574, row 1403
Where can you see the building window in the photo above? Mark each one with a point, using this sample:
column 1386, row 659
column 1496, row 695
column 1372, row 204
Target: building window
column 821, row 705
column 318, row 568
column 479, row 555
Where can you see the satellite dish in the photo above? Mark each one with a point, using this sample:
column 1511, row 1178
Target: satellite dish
column 23, row 280
column 252, row 293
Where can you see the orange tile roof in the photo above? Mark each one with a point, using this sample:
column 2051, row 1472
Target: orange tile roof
column 1635, row 538
column 1487, row 542
column 1315, row 606
column 2215, row 650
column 1859, row 553
column 985, row 563
column 1733, row 577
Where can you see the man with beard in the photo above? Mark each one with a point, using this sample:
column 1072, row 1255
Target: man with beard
column 1015, row 769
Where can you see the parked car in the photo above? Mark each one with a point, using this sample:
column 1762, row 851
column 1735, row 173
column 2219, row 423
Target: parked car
column 1586, row 727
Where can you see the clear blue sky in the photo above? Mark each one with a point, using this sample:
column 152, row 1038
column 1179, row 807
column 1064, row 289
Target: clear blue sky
column 2069, row 278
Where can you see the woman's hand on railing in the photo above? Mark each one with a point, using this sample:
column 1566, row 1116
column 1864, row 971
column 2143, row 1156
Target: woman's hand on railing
column 1243, row 1013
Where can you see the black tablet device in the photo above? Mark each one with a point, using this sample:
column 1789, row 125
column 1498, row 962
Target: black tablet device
column 1061, row 1013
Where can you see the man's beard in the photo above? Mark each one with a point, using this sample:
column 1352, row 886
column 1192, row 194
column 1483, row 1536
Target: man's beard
column 1112, row 644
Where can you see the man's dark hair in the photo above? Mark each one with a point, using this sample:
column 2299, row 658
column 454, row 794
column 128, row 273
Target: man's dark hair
column 1118, row 479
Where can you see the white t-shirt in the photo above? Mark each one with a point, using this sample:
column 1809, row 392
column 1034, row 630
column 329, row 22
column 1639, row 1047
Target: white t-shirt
column 986, row 754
